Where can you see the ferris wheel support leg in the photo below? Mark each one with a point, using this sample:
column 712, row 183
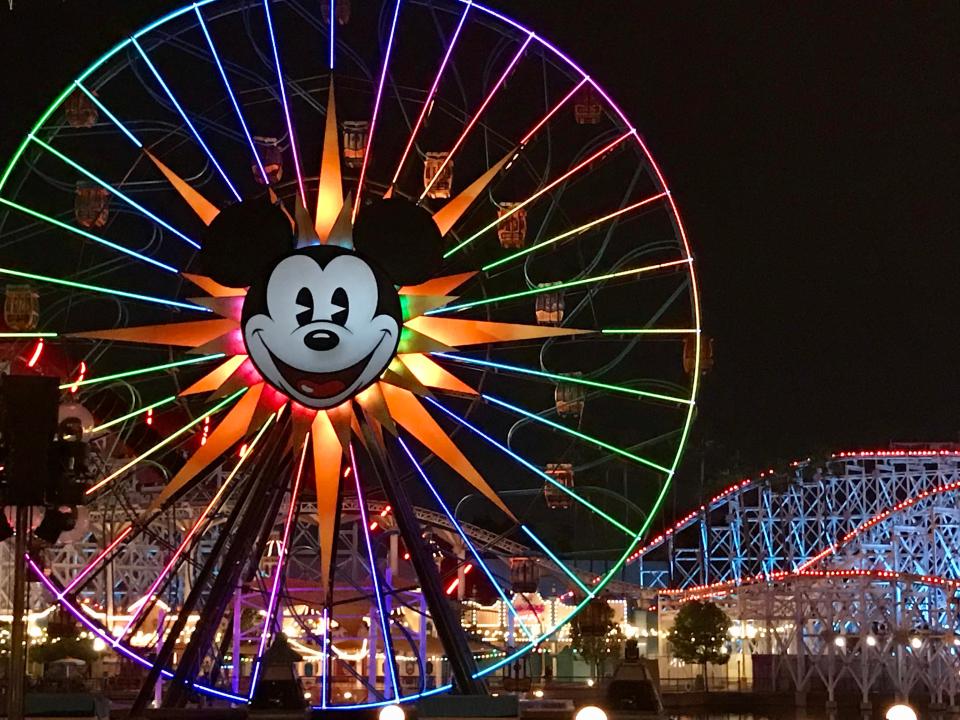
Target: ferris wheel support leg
column 246, row 547
column 166, row 651
column 445, row 620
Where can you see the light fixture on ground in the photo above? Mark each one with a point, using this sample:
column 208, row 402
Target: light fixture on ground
column 590, row 712
column 901, row 711
column 391, row 712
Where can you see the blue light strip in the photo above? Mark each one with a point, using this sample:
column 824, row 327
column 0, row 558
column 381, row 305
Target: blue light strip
column 186, row 118
column 555, row 559
column 333, row 22
column 108, row 291
column 534, row 469
column 466, row 540
column 113, row 118
column 87, row 235
column 233, row 97
column 381, row 611
column 283, row 100
column 578, row 434
column 562, row 378
column 109, row 188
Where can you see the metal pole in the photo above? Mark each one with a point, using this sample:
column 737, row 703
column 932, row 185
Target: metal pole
column 18, row 651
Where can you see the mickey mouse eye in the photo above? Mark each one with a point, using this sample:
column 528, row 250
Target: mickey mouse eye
column 341, row 301
column 305, row 301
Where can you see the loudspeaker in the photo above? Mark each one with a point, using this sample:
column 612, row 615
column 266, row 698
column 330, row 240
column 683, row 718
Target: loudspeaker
column 28, row 427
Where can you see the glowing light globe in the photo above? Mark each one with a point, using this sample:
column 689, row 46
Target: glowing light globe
column 901, row 712
column 392, row 712
column 590, row 712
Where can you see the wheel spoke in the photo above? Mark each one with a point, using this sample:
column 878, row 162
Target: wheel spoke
column 131, row 414
column 463, row 536
column 143, row 371
column 233, row 97
column 109, row 188
column 376, row 109
column 534, row 469
column 186, row 118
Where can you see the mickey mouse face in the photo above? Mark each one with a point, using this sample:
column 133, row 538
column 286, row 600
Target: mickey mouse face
column 322, row 325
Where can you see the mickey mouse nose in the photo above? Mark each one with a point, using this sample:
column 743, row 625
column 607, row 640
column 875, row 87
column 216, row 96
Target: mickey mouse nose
column 320, row 340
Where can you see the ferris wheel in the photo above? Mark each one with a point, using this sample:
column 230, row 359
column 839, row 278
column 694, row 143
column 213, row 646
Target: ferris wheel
column 374, row 315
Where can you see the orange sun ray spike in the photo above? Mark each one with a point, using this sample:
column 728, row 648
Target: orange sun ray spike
column 374, row 407
column 432, row 375
column 438, row 286
column 407, row 410
column 231, row 429
column 212, row 287
column 399, row 374
column 449, row 215
column 214, row 379
column 416, row 305
column 327, row 458
column 228, row 307
column 474, row 332
column 341, row 417
column 330, row 189
column 204, row 209
column 185, row 334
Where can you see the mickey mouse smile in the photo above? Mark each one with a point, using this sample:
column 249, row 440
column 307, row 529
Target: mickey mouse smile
column 320, row 385
column 322, row 325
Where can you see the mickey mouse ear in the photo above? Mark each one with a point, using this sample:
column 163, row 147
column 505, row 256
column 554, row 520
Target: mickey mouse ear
column 244, row 241
column 402, row 238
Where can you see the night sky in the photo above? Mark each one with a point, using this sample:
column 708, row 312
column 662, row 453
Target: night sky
column 813, row 149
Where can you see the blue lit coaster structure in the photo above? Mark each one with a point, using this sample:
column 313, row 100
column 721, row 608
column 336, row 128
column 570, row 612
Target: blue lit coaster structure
column 534, row 407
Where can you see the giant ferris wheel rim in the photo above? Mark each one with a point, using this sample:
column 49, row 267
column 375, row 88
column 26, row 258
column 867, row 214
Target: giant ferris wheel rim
column 675, row 219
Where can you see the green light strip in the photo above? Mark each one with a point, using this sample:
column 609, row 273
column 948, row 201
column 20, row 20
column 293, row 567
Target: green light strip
column 166, row 441
column 144, row 371
column 88, row 236
column 550, row 554
column 560, row 286
column 649, row 331
column 577, row 433
column 28, row 335
column 575, row 231
column 133, row 414
column 98, row 289
column 562, row 378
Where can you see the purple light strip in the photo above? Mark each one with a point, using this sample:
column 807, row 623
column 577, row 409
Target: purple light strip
column 376, row 110
column 326, row 656
column 384, row 620
column 333, row 22
column 433, row 90
column 108, row 639
column 283, row 99
column 477, row 114
column 278, row 570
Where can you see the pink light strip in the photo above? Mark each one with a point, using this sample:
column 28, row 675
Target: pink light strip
column 433, row 90
column 278, row 570
column 516, row 208
column 546, row 118
column 89, row 567
column 476, row 116
column 376, row 110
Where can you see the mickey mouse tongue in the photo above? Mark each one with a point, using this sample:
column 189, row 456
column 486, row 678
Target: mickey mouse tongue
column 320, row 385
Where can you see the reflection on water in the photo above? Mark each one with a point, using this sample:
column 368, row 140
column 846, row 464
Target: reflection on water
column 787, row 715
